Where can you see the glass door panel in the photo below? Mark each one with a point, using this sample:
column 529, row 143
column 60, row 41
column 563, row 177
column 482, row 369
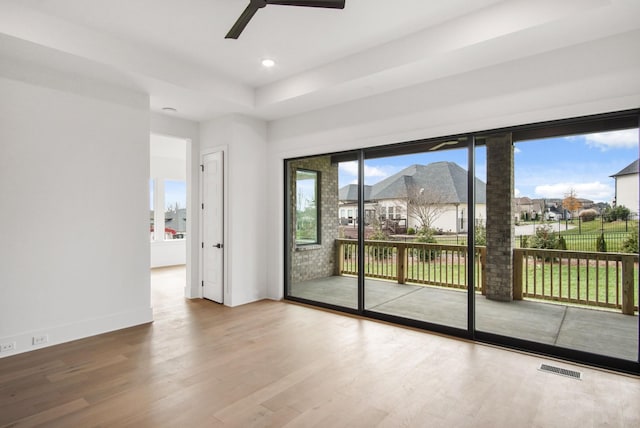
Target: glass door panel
column 323, row 230
column 573, row 262
column 415, row 235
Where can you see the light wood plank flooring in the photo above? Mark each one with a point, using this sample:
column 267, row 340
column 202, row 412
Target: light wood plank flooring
column 279, row 364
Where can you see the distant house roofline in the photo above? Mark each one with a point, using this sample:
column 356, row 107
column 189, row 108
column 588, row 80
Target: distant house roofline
column 632, row 168
column 448, row 177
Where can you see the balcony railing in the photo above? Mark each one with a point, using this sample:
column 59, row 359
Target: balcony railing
column 585, row 278
column 413, row 262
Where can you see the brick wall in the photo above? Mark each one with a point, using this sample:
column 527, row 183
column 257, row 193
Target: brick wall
column 315, row 261
column 500, row 220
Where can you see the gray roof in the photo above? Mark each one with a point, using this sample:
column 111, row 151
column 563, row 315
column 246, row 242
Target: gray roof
column 349, row 193
column 632, row 168
column 448, row 177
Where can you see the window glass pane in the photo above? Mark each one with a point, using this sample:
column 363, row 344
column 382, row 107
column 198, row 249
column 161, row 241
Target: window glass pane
column 175, row 215
column 415, row 252
column 306, row 207
column 323, row 190
column 574, row 206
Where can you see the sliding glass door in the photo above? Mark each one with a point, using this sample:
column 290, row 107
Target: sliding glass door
column 322, row 230
column 415, row 246
column 571, row 281
column 525, row 237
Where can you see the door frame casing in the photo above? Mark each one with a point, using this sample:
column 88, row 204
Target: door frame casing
column 190, row 206
column 226, row 293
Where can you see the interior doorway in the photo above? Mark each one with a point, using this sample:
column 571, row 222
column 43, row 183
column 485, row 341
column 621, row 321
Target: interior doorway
column 168, row 205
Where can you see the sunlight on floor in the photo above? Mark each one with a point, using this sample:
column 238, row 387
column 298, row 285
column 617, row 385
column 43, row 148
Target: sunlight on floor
column 167, row 286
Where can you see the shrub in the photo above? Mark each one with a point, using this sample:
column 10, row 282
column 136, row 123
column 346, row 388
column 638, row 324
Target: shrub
column 544, row 238
column 630, row 245
column 378, row 235
column 618, row 213
column 411, row 231
column 562, row 244
column 381, row 251
column 588, row 215
column 481, row 235
column 424, row 254
column 524, row 241
column 601, row 244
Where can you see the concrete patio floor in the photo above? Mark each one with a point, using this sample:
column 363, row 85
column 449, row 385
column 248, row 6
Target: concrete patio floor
column 593, row 330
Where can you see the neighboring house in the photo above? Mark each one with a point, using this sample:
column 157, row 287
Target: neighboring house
column 176, row 219
column 526, row 208
column 440, row 188
column 627, row 187
column 552, row 208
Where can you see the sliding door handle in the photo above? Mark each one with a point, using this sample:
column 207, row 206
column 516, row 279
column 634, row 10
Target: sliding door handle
column 218, row 245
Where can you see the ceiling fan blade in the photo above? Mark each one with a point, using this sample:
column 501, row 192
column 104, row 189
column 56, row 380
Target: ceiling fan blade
column 242, row 22
column 331, row 4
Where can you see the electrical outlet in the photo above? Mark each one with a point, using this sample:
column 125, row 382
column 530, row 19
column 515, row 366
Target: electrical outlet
column 39, row 340
column 6, row 347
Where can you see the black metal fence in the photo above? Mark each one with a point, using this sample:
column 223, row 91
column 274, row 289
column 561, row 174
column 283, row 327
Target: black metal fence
column 585, row 242
column 582, row 226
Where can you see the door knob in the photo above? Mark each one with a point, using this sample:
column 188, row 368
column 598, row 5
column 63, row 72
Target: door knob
column 218, row 245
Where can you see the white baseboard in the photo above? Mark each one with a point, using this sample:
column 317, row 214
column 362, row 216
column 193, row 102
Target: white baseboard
column 66, row 333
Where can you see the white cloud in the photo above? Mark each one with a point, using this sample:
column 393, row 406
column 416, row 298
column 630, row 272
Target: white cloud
column 516, row 193
column 351, row 168
column 625, row 139
column 516, row 150
column 596, row 191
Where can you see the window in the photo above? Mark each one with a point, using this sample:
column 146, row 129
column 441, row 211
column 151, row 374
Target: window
column 175, row 215
column 307, row 207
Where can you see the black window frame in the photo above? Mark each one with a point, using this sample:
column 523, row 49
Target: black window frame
column 318, row 208
column 603, row 122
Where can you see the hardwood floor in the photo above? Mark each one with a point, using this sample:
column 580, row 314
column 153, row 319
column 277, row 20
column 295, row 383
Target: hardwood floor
column 279, row 364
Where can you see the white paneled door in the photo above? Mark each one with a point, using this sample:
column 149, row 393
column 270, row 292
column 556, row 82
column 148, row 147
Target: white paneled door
column 212, row 227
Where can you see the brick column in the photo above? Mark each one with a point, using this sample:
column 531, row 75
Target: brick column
column 316, row 261
column 500, row 220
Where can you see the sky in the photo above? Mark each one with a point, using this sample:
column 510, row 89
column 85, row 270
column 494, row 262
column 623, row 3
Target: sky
column 174, row 191
column 548, row 168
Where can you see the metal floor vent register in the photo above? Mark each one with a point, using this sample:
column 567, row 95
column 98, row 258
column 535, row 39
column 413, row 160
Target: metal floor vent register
column 560, row 371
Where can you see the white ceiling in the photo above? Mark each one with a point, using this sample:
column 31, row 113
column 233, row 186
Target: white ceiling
column 176, row 51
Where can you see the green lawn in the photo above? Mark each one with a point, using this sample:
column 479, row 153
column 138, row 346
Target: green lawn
column 597, row 226
column 582, row 283
column 544, row 280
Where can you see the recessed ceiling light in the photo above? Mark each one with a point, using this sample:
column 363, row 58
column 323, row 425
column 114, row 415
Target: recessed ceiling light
column 268, row 63
column 170, row 109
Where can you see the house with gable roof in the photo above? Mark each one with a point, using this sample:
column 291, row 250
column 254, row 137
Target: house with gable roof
column 436, row 192
column 627, row 186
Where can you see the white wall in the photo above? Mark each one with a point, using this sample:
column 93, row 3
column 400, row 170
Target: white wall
column 244, row 143
column 627, row 190
column 190, row 131
column 74, row 170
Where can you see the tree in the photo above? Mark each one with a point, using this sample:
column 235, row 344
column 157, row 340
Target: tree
column 571, row 202
column 426, row 205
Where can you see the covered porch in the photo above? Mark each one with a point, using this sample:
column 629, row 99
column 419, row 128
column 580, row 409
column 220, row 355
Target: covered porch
column 604, row 332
